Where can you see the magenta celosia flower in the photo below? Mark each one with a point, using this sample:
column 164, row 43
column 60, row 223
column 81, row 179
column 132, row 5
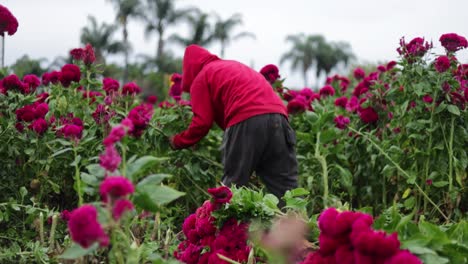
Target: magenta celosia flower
column 128, row 124
column 120, row 207
column 296, row 106
column 442, row 63
column 175, row 91
column 12, row 82
column 391, row 65
column 353, row 104
column 8, row 22
column 131, row 88
column 415, row 48
column 69, row 73
column 77, row 54
column 359, row 73
column 51, row 77
column 41, row 98
column 326, row 91
column 84, row 227
column 376, row 243
column 270, row 72
column 341, row 101
column 427, row 99
column 344, row 254
column 341, row 122
column 115, row 187
column 140, row 117
column 381, row 68
column 221, row 194
column 19, row 127
column 40, row 109
column 453, row 42
column 289, row 95
column 89, row 56
column 39, row 126
column 102, row 115
column 110, row 159
column 26, row 113
column 152, row 99
column 72, row 131
column 110, row 85
column 32, row 82
column 189, row 224
column 116, row 134
column 205, row 226
column 368, row 115
column 360, row 89
column 404, row 256
column 65, row 215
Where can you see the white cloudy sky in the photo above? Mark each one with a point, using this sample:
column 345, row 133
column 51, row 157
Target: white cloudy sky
column 373, row 28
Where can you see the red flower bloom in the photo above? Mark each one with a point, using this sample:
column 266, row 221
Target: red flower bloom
column 39, row 126
column 359, row 73
column 221, row 195
column 453, row 42
column 353, row 104
column 85, row 228
column 77, row 54
column 341, row 122
column 120, row 207
column 72, row 131
column 115, row 187
column 12, row 82
column 189, row 224
column 270, row 72
column 32, row 82
column 8, row 22
column 442, row 64
column 368, row 115
column 391, row 65
column 176, row 87
column 427, row 99
column 89, row 56
column 65, row 215
column 140, row 116
column 131, row 88
column 70, row 73
column 360, row 89
column 296, row 106
column 415, row 48
column 326, row 91
column 116, row 134
column 51, row 77
column 382, row 68
column 403, row 256
column 110, row 85
column 152, row 99
column 111, row 159
column 341, row 101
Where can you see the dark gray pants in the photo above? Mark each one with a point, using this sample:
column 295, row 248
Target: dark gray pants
column 264, row 144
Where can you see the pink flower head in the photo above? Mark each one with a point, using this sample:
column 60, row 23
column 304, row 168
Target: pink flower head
column 39, row 126
column 453, row 42
column 85, row 228
column 70, row 73
column 110, row 85
column 51, row 77
column 360, row 89
column 12, row 82
column 65, row 215
column 175, row 91
column 120, row 207
column 116, row 134
column 442, row 63
column 221, row 195
column 89, row 56
column 110, row 159
column 72, row 131
column 8, row 22
column 296, row 106
column 427, row 99
column 152, row 99
column 77, row 54
column 415, row 48
column 359, row 73
column 391, row 65
column 128, row 124
column 376, row 243
column 189, row 224
column 115, row 187
column 326, row 91
column 341, row 122
column 41, row 98
column 368, row 115
column 404, row 256
column 353, row 104
column 309, row 94
column 382, row 68
column 270, row 72
column 131, row 88
column 40, row 110
column 32, row 82
column 341, row 101
column 140, row 116
column 26, row 113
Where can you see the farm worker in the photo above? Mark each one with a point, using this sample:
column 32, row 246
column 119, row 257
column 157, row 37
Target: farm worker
column 257, row 135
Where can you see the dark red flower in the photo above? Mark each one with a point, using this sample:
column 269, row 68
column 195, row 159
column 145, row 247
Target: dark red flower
column 270, row 72
column 70, row 73
column 368, row 115
column 175, row 91
column 152, row 99
column 72, row 131
column 189, row 224
column 382, row 68
column 442, row 63
column 85, row 228
column 39, row 126
column 77, row 54
column 326, row 91
column 89, row 57
column 120, row 207
column 453, row 42
column 296, row 106
column 131, row 88
column 140, row 117
column 12, row 82
column 359, row 73
column 51, row 77
column 110, row 85
column 221, row 194
column 8, row 22
column 427, row 99
column 341, row 122
column 391, row 65
column 415, row 48
column 360, row 89
column 32, row 82
column 65, row 215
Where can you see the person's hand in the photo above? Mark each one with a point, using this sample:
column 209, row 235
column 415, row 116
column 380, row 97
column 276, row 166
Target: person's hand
column 171, row 142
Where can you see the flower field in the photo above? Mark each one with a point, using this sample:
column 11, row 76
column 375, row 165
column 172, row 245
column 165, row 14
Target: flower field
column 88, row 176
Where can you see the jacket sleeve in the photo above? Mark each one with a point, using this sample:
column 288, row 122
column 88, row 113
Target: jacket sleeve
column 202, row 115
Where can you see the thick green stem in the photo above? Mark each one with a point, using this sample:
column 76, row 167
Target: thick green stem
column 429, row 150
column 52, row 232
column 77, row 178
column 403, row 172
column 450, row 175
column 323, row 163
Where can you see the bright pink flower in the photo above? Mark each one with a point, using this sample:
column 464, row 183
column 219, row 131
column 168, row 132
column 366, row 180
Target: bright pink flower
column 8, row 22
column 120, row 207
column 221, row 195
column 51, row 77
column 65, row 215
column 102, row 115
column 368, row 115
column 77, row 54
column 205, row 226
column 32, row 81
column 415, row 48
column 391, row 65
column 270, row 72
column 403, row 256
column 89, row 56
column 41, row 98
column 360, row 89
column 110, row 85
column 344, row 255
column 70, row 73
column 309, row 94
column 40, row 110
column 189, row 224
column 12, row 82
column 152, row 99
column 359, row 73
column 175, row 91
column 39, row 126
column 326, row 91
column 289, row 95
column 442, row 64
column 382, row 68
column 115, row 187
column 19, row 127
column 26, row 113
column 128, row 124
column 85, row 228
column 296, row 106
column 353, row 104
column 116, row 134
column 110, row 159
column 131, row 88
column 453, row 42
column 140, row 116
column 427, row 99
column 341, row 101
column 341, row 122
column 72, row 131
column 205, row 210
column 328, row 245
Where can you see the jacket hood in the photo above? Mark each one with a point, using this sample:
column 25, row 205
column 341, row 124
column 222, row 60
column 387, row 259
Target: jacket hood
column 195, row 58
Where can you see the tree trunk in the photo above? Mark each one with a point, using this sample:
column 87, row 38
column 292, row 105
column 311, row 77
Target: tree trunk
column 125, row 36
column 160, row 48
column 304, row 74
column 223, row 47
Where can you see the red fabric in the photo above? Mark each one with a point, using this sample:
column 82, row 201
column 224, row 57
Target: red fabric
column 224, row 91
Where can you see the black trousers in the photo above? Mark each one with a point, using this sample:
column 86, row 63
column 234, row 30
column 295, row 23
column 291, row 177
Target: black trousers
column 264, row 144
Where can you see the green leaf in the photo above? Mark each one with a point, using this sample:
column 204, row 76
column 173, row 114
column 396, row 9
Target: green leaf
column 153, row 179
column 23, row 192
column 406, row 193
column 61, row 151
column 96, row 170
column 76, row 251
column 271, row 201
column 439, row 184
column 142, row 164
column 453, row 109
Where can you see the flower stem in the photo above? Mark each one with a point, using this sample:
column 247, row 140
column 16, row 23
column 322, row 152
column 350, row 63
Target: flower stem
column 450, row 177
column 77, row 178
column 323, row 163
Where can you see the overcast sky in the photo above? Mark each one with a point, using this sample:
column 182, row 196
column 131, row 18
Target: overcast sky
column 49, row 28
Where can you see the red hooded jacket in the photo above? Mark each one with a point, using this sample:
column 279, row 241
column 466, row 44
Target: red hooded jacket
column 224, row 91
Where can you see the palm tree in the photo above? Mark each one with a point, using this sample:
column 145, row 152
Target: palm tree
column 200, row 31
column 303, row 53
column 125, row 10
column 100, row 37
column 223, row 31
column 329, row 55
column 158, row 16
